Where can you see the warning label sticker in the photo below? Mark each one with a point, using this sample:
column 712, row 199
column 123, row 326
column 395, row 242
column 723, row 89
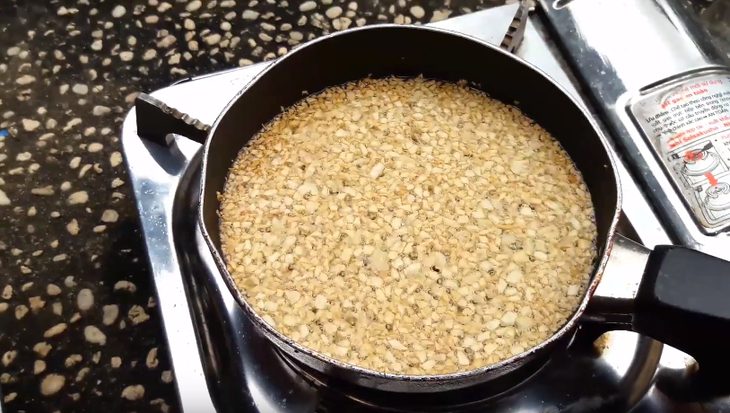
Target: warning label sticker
column 688, row 125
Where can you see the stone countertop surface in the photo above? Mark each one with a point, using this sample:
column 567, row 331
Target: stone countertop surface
column 79, row 329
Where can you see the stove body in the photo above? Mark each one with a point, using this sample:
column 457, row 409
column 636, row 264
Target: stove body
column 222, row 364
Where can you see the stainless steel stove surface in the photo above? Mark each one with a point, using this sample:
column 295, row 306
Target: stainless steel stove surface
column 221, row 364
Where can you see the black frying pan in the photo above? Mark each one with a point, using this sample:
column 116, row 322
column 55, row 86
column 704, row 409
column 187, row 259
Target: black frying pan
column 681, row 298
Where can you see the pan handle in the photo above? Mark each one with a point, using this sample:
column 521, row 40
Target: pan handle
column 684, row 301
column 673, row 294
column 156, row 120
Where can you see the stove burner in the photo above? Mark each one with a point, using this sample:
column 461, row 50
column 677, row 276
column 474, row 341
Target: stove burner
column 339, row 393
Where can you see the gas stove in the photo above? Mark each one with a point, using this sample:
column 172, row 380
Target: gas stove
column 222, row 364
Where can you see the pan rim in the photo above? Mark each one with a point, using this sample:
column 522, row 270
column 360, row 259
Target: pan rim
column 508, row 364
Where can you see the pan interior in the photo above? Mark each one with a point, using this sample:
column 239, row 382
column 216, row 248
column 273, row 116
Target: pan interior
column 409, row 52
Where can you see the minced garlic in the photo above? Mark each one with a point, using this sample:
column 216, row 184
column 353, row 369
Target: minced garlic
column 408, row 226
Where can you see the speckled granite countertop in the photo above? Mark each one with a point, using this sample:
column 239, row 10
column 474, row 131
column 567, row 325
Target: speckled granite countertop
column 79, row 330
